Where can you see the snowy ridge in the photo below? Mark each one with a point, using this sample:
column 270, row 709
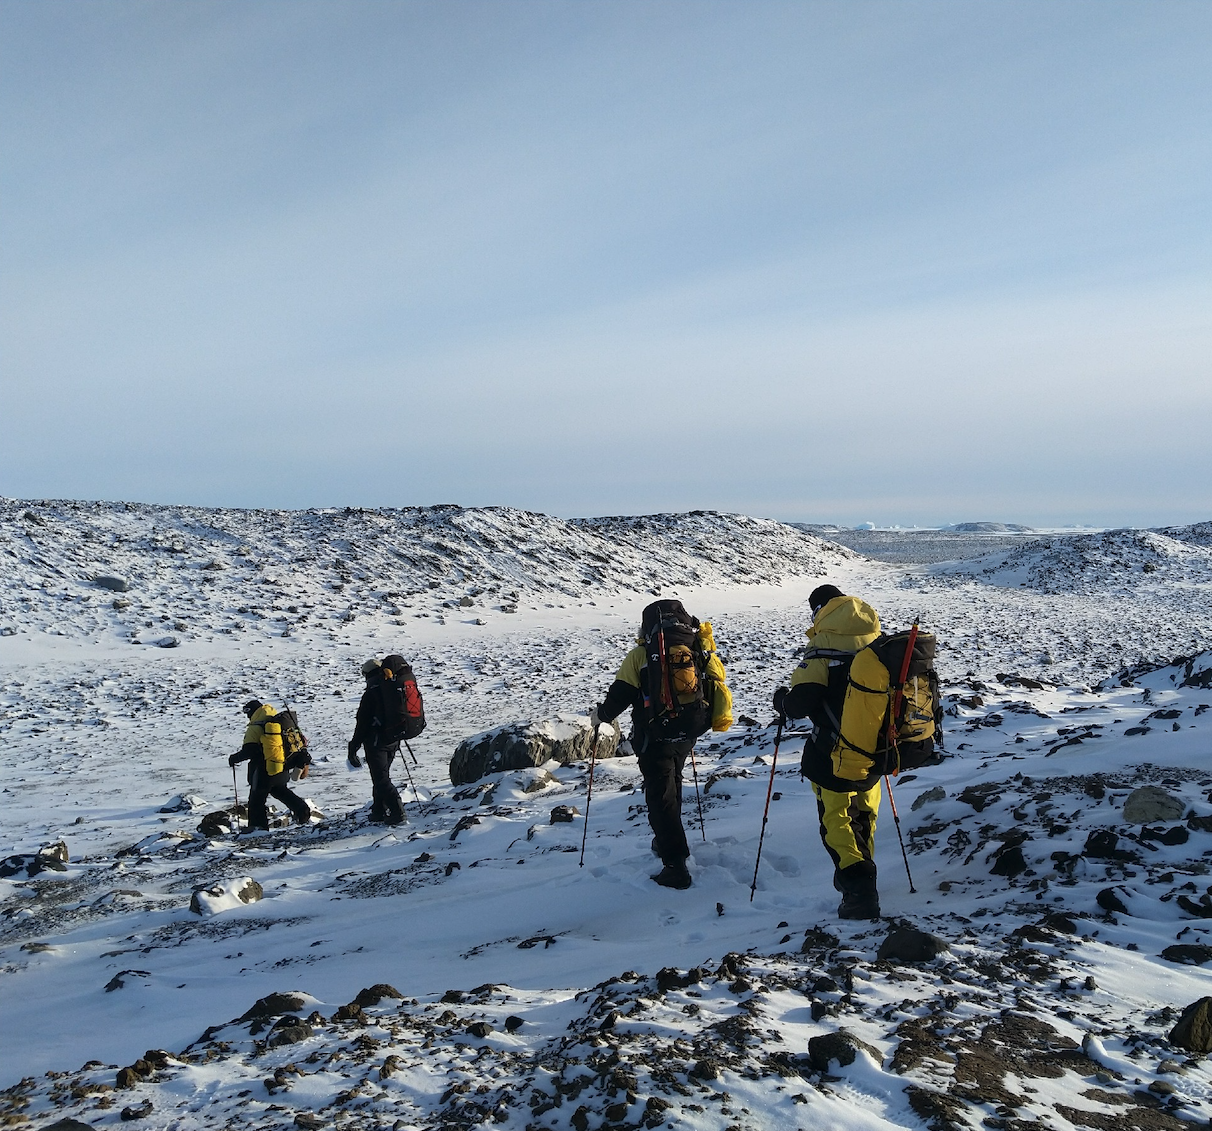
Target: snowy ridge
column 194, row 570
column 1095, row 563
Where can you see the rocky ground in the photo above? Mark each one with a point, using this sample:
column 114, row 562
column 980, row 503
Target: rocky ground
column 467, row 969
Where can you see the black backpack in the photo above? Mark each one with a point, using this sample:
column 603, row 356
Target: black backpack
column 677, row 703
column 401, row 714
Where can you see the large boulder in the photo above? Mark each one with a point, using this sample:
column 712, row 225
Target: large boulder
column 1151, row 803
column 524, row 745
column 1194, row 1028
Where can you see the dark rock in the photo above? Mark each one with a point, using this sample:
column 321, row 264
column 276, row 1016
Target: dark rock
column 705, row 1069
column 480, row 1029
column 1193, row 1030
column 1058, row 921
column 350, row 1012
column 513, row 1023
column 118, row 981
column 938, row 793
column 908, row 944
column 816, row 939
column 141, row 1112
column 309, row 1121
column 376, row 993
column 1200, row 824
column 1171, row 837
column 978, row 796
column 1150, row 803
column 290, row 1035
column 564, row 814
column 1013, row 680
column 1201, row 910
column 114, row 584
column 841, row 1046
column 221, row 823
column 273, row 1005
column 670, row 978
column 68, row 1124
column 1102, row 844
column 1009, row 861
column 1109, row 901
column 1188, row 954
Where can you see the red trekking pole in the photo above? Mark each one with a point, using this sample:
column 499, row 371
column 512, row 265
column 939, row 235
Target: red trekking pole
column 897, row 697
column 778, row 738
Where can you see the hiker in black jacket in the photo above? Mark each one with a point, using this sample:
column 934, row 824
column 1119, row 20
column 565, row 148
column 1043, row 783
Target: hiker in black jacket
column 386, row 806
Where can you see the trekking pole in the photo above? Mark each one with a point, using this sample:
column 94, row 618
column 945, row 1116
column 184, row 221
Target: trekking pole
column 593, row 756
column 414, row 757
column 892, row 743
column 698, row 796
column 235, row 786
column 897, row 821
column 778, row 738
column 412, row 785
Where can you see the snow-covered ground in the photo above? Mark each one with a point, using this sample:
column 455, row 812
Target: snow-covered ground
column 526, row 989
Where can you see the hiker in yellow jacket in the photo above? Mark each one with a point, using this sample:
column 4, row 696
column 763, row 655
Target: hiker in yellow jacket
column 268, row 767
column 841, row 626
column 676, row 688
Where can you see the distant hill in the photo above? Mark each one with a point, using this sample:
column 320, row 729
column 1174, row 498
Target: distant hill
column 192, row 566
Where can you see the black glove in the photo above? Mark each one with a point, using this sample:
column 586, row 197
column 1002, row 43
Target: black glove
column 352, row 755
column 301, row 758
column 780, row 699
column 235, row 759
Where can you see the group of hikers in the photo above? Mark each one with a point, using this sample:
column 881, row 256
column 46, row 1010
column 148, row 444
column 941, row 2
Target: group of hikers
column 872, row 699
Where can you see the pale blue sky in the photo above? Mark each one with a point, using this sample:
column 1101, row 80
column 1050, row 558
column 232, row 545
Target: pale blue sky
column 843, row 261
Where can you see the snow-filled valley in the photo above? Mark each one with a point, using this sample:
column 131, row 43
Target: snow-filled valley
column 464, row 969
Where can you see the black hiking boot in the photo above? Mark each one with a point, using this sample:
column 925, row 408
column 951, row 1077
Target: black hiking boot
column 860, row 899
column 674, row 876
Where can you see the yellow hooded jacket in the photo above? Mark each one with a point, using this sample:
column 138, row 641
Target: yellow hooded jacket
column 264, row 730
column 845, row 624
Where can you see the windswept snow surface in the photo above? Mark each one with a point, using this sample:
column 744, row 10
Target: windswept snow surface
column 637, row 1006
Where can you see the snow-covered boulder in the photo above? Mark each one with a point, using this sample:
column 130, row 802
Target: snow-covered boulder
column 225, row 896
column 183, row 803
column 523, row 745
column 108, row 581
column 50, row 857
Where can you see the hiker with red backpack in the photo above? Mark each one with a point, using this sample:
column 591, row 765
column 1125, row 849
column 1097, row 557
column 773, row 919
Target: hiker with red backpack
column 390, row 712
column 675, row 686
column 873, row 701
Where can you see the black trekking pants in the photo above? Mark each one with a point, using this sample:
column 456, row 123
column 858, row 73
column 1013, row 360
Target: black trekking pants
column 277, row 786
column 385, row 803
column 662, row 763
